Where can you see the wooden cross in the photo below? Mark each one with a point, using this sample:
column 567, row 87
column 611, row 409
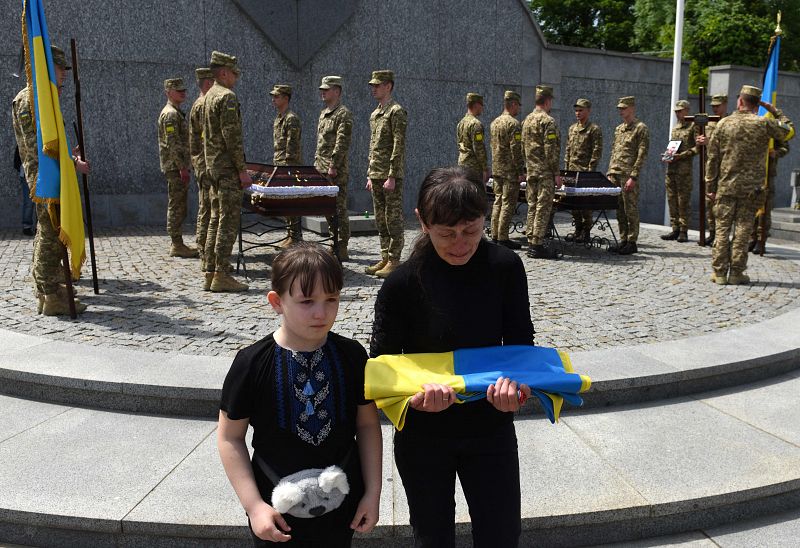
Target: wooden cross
column 702, row 119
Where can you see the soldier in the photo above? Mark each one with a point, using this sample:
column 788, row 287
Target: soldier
column 205, row 79
column 679, row 174
column 173, row 151
column 508, row 167
column 736, row 155
column 628, row 152
column 469, row 138
column 47, row 248
column 224, row 153
column 780, row 149
column 387, row 150
column 719, row 106
column 542, row 147
column 334, row 131
column 584, row 149
column 286, row 136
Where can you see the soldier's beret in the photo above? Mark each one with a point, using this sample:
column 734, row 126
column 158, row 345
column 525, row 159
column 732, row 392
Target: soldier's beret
column 59, row 57
column 381, row 76
column 203, row 73
column 583, row 103
column 512, row 96
column 544, row 91
column 174, row 84
column 219, row 59
column 751, row 90
column 474, row 98
column 627, row 101
column 719, row 99
column 680, row 105
column 281, row 89
column 328, row 81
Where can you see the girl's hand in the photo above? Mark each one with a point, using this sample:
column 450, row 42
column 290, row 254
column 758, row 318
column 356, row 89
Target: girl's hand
column 268, row 524
column 366, row 514
column 504, row 397
column 435, row 398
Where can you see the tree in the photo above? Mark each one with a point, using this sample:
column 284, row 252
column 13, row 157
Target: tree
column 602, row 24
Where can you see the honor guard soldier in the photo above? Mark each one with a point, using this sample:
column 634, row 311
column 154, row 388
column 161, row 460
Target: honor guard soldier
column 542, row 147
column 508, row 167
column 205, row 79
column 470, row 138
column 224, row 153
column 736, row 156
column 679, row 174
column 779, row 150
column 334, row 133
column 583, row 152
column 173, row 150
column 287, row 146
column 387, row 151
column 628, row 153
column 719, row 106
column 47, row 248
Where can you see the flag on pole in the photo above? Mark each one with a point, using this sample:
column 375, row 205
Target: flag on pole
column 57, row 182
column 770, row 84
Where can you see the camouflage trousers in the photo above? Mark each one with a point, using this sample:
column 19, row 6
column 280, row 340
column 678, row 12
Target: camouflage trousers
column 388, row 208
column 539, row 193
column 341, row 208
column 176, row 205
column 225, row 197
column 506, row 196
column 710, row 218
column 627, row 209
column 767, row 213
column 203, row 210
column 679, row 199
column 583, row 220
column 734, row 225
column 48, row 251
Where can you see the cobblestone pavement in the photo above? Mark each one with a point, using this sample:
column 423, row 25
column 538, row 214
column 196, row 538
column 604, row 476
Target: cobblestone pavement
column 587, row 300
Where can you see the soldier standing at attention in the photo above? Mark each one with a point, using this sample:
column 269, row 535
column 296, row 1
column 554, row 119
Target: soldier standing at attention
column 334, row 132
column 224, row 154
column 173, row 150
column 719, row 106
column 628, row 152
column 542, row 147
column 584, row 149
column 205, row 79
column 679, row 174
column 779, row 150
column 286, row 135
column 508, row 167
column 469, row 138
column 736, row 156
column 387, row 151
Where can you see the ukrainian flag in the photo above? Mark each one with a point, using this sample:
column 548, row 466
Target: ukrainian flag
column 57, row 183
column 392, row 380
column 770, row 84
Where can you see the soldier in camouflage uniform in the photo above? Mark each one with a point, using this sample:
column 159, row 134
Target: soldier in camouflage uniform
column 205, row 79
column 736, row 155
column 387, row 151
column 583, row 153
column 286, row 137
column 224, row 154
column 173, row 151
column 628, row 152
column 679, row 174
column 508, row 167
column 542, row 147
column 47, row 248
column 780, row 149
column 719, row 106
column 334, row 133
column 470, row 138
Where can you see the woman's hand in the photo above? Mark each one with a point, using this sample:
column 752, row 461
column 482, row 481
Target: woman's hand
column 434, row 398
column 504, row 397
column 268, row 524
column 367, row 513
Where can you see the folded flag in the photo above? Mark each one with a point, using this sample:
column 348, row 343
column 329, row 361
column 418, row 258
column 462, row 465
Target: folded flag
column 392, row 380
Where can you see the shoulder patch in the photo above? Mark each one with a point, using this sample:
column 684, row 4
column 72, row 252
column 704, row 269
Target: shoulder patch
column 551, row 135
column 170, row 128
column 231, row 104
column 517, row 136
column 479, row 136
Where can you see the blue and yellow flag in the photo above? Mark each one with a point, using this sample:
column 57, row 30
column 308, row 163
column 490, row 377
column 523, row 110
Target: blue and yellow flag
column 57, row 183
column 770, row 84
column 392, row 380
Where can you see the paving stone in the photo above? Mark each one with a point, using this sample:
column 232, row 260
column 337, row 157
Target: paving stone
column 775, row 531
column 20, row 415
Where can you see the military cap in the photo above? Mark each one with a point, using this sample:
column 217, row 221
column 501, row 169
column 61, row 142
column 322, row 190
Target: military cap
column 680, row 105
column 474, row 98
column 750, row 90
column 627, row 101
column 203, row 73
column 719, row 99
column 583, row 103
column 544, row 91
column 281, row 89
column 381, row 76
column 219, row 59
column 59, row 57
column 328, row 81
column 174, row 84
column 512, row 96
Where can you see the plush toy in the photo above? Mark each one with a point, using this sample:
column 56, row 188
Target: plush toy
column 311, row 493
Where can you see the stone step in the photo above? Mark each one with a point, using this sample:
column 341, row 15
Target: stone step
column 786, row 215
column 78, row 477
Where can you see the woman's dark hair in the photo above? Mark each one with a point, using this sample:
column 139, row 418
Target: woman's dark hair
column 304, row 262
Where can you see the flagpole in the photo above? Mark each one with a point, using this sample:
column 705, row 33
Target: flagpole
column 676, row 82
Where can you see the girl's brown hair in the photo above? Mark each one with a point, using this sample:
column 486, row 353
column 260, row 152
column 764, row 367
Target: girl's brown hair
column 304, row 262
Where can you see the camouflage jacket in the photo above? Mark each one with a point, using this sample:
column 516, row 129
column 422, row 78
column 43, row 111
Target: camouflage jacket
column 686, row 133
column 334, row 134
column 781, row 150
column 25, row 132
column 387, row 143
column 507, row 159
column 629, row 149
column 584, row 147
column 541, row 143
column 173, row 139
column 471, row 144
column 196, row 137
column 222, row 132
column 738, row 151
column 286, row 135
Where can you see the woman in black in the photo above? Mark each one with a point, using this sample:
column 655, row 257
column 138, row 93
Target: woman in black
column 457, row 290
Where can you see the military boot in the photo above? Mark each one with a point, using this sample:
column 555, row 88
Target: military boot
column 341, row 254
column 376, row 267
column 683, row 237
column 629, row 249
column 672, row 235
column 710, row 239
column 391, row 266
column 180, row 249
column 209, row 277
column 58, row 305
column 719, row 279
column 758, row 248
column 752, row 245
column 618, row 248
column 738, row 278
column 224, row 283
column 541, row 252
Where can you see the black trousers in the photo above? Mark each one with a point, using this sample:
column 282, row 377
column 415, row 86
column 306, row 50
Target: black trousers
column 488, row 468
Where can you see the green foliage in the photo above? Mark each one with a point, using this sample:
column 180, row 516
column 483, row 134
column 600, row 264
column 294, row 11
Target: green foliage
column 602, row 24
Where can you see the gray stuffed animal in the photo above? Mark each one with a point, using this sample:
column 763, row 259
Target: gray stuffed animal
column 311, row 493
